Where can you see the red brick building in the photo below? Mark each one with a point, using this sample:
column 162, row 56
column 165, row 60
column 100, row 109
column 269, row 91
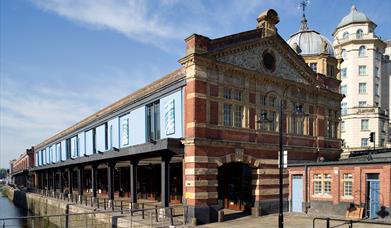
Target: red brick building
column 230, row 158
column 330, row 188
column 20, row 169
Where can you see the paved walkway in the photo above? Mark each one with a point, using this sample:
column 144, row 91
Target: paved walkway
column 291, row 221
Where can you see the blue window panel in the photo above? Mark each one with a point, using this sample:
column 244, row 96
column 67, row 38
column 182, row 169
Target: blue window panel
column 58, row 151
column 171, row 115
column 89, row 142
column 52, row 154
column 49, row 157
column 137, row 126
column 63, row 151
column 36, row 159
column 124, row 128
column 40, row 158
column 45, row 159
column 113, row 133
column 74, row 147
column 100, row 138
column 82, row 145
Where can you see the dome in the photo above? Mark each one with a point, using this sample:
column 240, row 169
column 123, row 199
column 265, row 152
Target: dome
column 310, row 42
column 353, row 17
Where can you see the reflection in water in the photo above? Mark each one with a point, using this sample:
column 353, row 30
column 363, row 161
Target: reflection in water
column 9, row 210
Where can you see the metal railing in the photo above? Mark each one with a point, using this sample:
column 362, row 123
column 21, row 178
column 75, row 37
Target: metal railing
column 150, row 214
column 348, row 222
column 137, row 217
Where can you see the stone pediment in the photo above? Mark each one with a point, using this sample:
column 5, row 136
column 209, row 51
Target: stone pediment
column 252, row 59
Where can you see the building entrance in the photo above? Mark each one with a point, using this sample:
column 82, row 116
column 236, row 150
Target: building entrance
column 235, row 188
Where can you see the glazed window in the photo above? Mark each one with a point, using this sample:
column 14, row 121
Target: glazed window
column 347, row 184
column 359, row 34
column 362, row 104
column 322, row 184
column 153, row 121
column 268, row 60
column 227, row 115
column 344, row 108
column 345, row 35
column 361, row 51
column 362, row 70
column 364, row 124
column 269, row 106
column 364, row 141
column 343, row 72
column 344, row 89
column 362, row 88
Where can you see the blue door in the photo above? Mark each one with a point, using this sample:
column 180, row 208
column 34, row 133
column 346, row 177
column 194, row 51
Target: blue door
column 297, row 193
column 373, row 195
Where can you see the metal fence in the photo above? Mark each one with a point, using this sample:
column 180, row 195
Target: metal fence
column 334, row 222
column 137, row 217
column 104, row 213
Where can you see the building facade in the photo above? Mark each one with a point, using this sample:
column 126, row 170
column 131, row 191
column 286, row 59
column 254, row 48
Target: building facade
column 333, row 188
column 365, row 83
column 207, row 134
column 19, row 172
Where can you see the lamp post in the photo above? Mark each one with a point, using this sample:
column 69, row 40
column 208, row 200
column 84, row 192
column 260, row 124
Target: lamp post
column 298, row 110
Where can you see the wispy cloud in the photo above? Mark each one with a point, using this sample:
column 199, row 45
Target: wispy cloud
column 30, row 112
column 160, row 23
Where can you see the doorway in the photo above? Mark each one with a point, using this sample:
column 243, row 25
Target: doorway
column 372, row 199
column 234, row 186
column 297, row 193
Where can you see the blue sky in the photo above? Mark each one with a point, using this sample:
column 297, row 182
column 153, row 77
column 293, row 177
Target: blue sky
column 62, row 60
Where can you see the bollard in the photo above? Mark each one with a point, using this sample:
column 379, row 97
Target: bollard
column 171, row 218
column 85, row 198
column 156, row 213
column 122, row 208
column 328, row 222
column 104, row 204
column 92, row 204
column 97, row 202
column 142, row 208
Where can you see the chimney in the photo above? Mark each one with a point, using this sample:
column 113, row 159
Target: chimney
column 196, row 44
column 267, row 21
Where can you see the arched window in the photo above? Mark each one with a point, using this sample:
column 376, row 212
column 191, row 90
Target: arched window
column 361, row 51
column 343, row 54
column 345, row 35
column 359, row 34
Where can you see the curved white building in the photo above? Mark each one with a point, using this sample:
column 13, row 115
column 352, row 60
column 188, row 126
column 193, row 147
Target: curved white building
column 365, row 82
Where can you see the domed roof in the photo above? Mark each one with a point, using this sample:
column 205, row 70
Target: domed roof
column 310, row 42
column 353, row 17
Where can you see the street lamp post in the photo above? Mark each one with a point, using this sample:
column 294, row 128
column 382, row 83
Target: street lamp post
column 298, row 110
column 281, row 163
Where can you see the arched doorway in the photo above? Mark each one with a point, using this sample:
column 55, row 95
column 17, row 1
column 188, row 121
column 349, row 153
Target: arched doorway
column 235, row 187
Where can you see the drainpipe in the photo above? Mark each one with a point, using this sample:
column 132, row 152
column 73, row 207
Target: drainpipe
column 306, row 188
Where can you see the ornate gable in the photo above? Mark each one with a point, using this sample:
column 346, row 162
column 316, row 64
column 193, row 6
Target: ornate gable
column 253, row 57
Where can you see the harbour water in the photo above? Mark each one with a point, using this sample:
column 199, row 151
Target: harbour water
column 9, row 210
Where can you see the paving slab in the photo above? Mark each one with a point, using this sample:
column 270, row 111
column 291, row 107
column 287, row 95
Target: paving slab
column 291, row 221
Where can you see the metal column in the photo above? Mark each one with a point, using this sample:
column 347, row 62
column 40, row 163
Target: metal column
column 165, row 180
column 110, row 183
column 94, row 170
column 133, row 180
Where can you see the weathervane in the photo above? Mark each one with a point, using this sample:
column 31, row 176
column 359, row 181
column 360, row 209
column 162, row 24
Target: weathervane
column 302, row 5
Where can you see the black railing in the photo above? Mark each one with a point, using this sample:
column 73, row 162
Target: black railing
column 140, row 212
column 348, row 222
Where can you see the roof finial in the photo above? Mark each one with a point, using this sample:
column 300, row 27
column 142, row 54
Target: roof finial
column 302, row 5
column 353, row 8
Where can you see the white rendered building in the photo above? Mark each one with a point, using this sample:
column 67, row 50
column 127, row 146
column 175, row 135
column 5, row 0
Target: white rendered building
column 365, row 78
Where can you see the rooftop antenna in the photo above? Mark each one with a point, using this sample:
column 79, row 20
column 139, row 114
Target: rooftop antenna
column 302, row 5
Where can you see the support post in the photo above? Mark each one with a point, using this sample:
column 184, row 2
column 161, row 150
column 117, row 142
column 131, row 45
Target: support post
column 80, row 182
column 94, row 170
column 133, row 182
column 70, row 180
column 60, row 181
column 47, row 181
column 165, row 187
column 110, row 183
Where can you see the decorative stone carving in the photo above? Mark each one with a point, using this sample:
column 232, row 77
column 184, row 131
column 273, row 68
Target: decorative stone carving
column 251, row 59
column 239, row 153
